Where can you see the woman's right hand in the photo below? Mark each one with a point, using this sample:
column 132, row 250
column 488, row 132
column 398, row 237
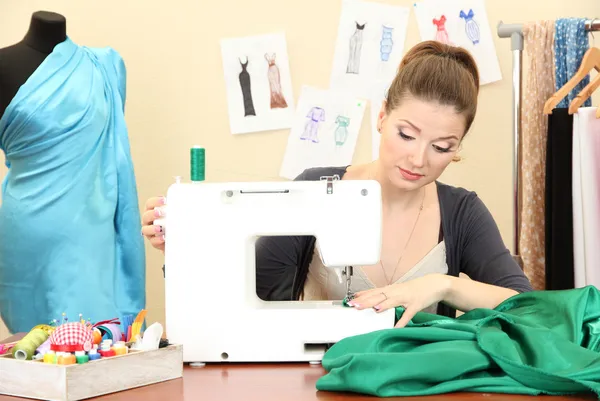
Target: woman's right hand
column 154, row 233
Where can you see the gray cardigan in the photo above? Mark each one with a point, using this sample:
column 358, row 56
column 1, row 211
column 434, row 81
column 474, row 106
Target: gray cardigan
column 472, row 239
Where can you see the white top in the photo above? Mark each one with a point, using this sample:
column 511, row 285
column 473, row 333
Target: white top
column 328, row 284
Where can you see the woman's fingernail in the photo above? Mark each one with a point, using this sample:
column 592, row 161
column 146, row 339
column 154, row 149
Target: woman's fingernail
column 376, row 307
column 163, row 200
column 158, row 229
column 157, row 212
column 162, row 237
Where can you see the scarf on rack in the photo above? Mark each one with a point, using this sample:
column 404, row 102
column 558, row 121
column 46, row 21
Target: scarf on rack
column 540, row 342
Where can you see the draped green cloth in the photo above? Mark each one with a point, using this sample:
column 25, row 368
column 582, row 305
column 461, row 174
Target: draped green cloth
column 541, row 342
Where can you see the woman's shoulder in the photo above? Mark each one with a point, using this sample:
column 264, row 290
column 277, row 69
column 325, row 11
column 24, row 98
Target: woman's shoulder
column 315, row 173
column 460, row 204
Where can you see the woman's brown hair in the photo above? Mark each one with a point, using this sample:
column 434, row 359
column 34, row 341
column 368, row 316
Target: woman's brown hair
column 434, row 71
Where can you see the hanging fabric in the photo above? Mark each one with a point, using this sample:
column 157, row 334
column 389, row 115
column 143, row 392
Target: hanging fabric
column 539, row 48
column 570, row 45
column 586, row 197
column 559, row 201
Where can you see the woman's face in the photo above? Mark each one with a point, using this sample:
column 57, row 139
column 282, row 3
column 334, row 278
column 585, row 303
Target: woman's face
column 418, row 141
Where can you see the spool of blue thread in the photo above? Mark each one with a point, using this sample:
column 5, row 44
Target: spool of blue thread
column 93, row 355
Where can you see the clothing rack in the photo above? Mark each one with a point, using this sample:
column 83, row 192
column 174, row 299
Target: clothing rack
column 515, row 33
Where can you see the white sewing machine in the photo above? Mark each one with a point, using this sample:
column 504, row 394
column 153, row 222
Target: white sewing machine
column 210, row 285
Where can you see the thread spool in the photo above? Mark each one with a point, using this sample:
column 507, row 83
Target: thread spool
column 25, row 349
column 111, row 331
column 197, row 163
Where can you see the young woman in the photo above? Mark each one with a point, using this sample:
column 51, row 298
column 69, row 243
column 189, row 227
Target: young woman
column 432, row 232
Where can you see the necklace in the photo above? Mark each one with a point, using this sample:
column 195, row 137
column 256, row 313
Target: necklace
column 389, row 281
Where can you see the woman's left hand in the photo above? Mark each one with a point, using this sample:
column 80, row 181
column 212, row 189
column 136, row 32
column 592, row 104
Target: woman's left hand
column 414, row 295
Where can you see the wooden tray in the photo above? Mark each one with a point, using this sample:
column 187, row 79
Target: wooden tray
column 43, row 381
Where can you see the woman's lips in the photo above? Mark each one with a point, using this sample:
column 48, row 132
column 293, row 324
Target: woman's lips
column 409, row 175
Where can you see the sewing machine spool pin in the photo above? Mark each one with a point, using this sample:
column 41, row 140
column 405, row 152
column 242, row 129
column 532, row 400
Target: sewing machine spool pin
column 210, row 252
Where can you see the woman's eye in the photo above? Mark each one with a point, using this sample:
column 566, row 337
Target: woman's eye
column 440, row 149
column 404, row 136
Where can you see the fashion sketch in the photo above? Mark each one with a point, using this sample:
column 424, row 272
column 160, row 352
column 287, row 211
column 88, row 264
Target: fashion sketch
column 246, row 90
column 386, row 44
column 277, row 99
column 341, row 132
column 356, row 41
column 315, row 116
column 441, row 35
column 471, row 26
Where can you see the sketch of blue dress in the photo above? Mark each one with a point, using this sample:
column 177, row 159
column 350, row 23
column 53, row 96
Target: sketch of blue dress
column 341, row 132
column 471, row 27
column 311, row 128
column 356, row 41
column 386, row 44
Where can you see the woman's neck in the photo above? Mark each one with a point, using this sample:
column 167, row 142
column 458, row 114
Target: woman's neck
column 393, row 198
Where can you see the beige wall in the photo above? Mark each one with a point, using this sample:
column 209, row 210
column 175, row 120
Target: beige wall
column 176, row 93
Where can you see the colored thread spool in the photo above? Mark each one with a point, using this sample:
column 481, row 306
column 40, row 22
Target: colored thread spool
column 197, row 163
column 25, row 349
column 93, row 355
column 111, row 331
column 50, row 357
column 81, row 357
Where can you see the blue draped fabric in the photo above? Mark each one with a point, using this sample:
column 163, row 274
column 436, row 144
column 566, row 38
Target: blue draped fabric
column 570, row 44
column 69, row 219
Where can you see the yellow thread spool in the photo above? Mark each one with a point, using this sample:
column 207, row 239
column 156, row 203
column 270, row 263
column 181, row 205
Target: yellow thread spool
column 25, row 349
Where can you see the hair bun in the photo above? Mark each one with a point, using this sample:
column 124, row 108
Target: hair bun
column 433, row 48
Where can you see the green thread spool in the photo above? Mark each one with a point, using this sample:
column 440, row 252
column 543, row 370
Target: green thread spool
column 197, row 163
column 25, row 349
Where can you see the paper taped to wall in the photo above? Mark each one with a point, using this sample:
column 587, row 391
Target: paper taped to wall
column 258, row 83
column 324, row 131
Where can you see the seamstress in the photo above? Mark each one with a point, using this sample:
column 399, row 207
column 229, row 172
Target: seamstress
column 432, row 231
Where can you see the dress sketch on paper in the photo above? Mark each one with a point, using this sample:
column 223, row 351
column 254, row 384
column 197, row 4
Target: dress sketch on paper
column 315, row 116
column 277, row 99
column 246, row 90
column 356, row 42
column 471, row 26
column 341, row 132
column 441, row 34
column 386, row 44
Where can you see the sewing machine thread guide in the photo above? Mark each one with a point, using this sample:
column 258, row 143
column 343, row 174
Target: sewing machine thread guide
column 330, row 179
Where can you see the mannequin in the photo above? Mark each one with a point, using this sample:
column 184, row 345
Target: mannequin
column 69, row 218
column 19, row 61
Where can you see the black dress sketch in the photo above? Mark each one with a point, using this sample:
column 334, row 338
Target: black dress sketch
column 246, row 90
column 356, row 41
column 277, row 99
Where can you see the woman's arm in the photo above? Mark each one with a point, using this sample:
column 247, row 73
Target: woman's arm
column 465, row 295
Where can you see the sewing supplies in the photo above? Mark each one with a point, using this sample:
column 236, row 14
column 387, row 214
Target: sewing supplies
column 81, row 357
column 120, row 348
column 110, row 331
column 94, row 355
column 6, row 347
column 126, row 323
column 66, row 358
column 45, row 347
column 136, row 327
column 25, row 348
column 96, row 336
column 50, row 357
column 197, row 163
column 71, row 337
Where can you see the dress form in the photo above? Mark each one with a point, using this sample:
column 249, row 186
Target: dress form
column 19, row 61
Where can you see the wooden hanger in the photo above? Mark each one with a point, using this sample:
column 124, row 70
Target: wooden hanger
column 584, row 95
column 591, row 60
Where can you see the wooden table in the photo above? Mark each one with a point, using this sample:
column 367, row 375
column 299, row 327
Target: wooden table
column 265, row 382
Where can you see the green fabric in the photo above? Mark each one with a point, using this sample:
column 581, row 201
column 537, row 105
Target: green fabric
column 541, row 342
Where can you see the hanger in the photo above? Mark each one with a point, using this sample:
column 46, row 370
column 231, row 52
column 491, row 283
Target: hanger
column 584, row 95
column 591, row 60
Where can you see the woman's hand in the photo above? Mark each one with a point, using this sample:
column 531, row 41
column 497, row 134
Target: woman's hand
column 414, row 295
column 154, row 233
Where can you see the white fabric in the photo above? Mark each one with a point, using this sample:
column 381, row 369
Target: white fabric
column 586, row 197
column 324, row 284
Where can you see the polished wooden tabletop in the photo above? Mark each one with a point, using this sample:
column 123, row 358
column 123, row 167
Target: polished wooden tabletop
column 265, row 382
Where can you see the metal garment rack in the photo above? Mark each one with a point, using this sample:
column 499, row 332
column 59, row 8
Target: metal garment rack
column 515, row 33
